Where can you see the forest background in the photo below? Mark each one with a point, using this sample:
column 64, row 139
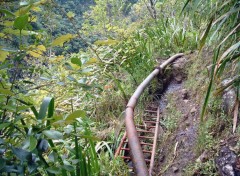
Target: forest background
column 69, row 67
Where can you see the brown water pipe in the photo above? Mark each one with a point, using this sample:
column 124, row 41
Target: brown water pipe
column 138, row 160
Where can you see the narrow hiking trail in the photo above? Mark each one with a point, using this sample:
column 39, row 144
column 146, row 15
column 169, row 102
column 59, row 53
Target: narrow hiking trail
column 180, row 116
column 183, row 147
column 177, row 133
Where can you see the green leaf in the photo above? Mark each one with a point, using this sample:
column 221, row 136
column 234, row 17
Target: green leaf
column 87, row 71
column 54, row 170
column 68, row 168
column 33, row 143
column 221, row 68
column 11, row 107
column 6, row 92
column 47, row 102
column 24, row 9
column 56, row 118
column 205, row 34
column 185, row 5
column 3, row 55
column 53, row 134
column 22, row 108
column 59, row 41
column 2, row 163
column 8, row 13
column 21, row 22
column 42, row 145
column 91, row 61
column 67, row 66
column 21, row 154
column 70, row 15
column 31, row 106
column 4, row 125
column 76, row 61
column 210, row 85
column 71, row 78
column 76, row 114
column 51, row 108
column 229, row 50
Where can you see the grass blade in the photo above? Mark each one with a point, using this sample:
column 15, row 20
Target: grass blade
column 229, row 34
column 228, row 51
column 205, row 34
column 185, row 5
column 209, row 86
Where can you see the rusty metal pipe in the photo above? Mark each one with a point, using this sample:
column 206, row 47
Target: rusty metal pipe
column 133, row 140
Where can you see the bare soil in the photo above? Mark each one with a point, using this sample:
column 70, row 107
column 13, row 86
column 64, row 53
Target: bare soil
column 177, row 148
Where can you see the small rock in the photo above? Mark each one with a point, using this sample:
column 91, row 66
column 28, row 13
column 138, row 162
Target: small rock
column 184, row 94
column 160, row 131
column 203, row 157
column 193, row 110
column 228, row 170
column 226, row 161
column 186, row 101
column 178, row 78
column 229, row 96
column 175, row 169
column 162, row 158
column 185, row 117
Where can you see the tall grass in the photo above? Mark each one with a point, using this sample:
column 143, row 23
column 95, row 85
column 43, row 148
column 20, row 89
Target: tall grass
column 222, row 32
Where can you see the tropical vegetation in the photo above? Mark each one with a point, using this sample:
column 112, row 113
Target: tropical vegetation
column 68, row 69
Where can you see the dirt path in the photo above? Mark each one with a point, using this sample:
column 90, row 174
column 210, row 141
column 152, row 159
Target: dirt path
column 179, row 127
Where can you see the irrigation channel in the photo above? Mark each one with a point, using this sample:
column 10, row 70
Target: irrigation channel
column 139, row 142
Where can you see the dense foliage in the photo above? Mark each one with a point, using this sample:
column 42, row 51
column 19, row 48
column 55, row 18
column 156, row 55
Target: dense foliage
column 69, row 67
